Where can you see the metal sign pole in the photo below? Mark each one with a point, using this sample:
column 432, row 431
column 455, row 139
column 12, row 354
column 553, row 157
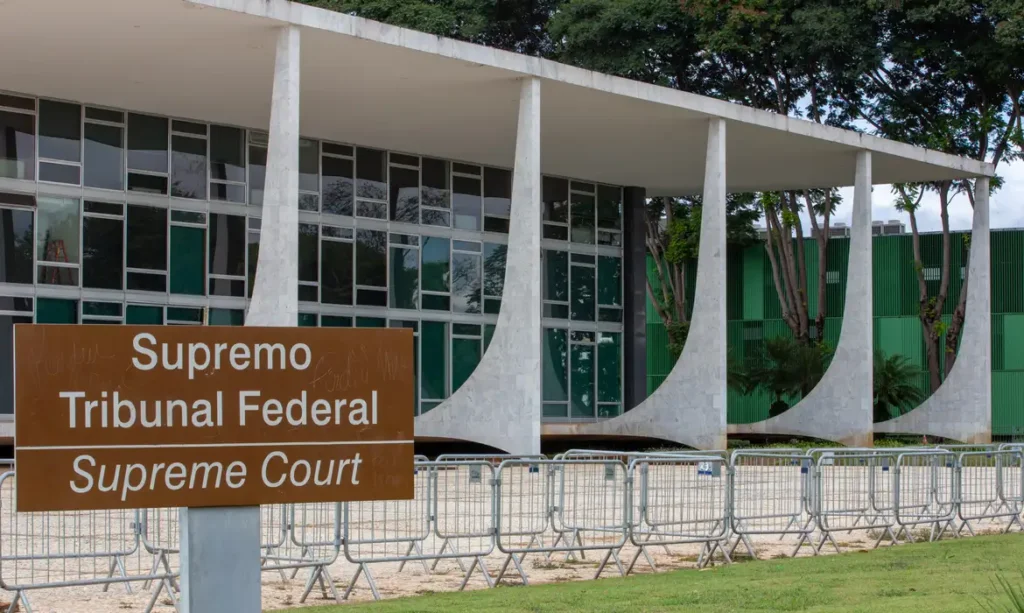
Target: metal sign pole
column 220, row 560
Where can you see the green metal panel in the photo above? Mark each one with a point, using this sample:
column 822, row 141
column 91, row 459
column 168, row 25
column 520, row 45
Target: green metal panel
column 659, row 360
column 1008, row 403
column 753, row 282
column 1007, row 253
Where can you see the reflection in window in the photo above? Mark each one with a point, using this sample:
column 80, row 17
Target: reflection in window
column 337, row 185
column 609, row 215
column 405, row 273
column 405, row 190
column 147, row 153
column 188, row 167
column 582, row 370
column 227, row 164
column 556, row 284
column 466, row 202
column 609, row 374
column 60, row 138
column 56, row 311
column 494, row 276
column 555, row 379
column 58, row 243
column 466, row 283
column 309, row 175
column 187, row 253
column 582, row 218
column 371, row 267
column 16, row 248
column 104, row 156
column 371, row 177
column 435, row 274
column 335, row 272
column 433, row 383
column 102, row 252
column 7, row 321
column 556, row 208
column 309, row 261
column 17, row 142
column 582, row 300
column 227, row 255
column 497, row 199
column 609, row 288
column 257, row 166
column 465, row 355
column 147, row 248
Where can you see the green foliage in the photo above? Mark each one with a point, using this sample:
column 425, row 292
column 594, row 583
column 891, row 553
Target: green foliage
column 1014, row 596
column 677, row 332
column 897, row 386
column 786, row 368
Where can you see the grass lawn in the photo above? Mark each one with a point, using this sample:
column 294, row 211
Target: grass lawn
column 948, row 576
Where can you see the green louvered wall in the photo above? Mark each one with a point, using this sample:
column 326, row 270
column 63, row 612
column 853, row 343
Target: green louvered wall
column 755, row 314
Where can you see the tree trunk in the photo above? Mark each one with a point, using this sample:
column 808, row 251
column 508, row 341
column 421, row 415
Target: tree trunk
column 931, row 348
column 956, row 325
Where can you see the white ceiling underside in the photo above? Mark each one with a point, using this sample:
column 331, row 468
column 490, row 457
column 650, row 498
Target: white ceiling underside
column 183, row 59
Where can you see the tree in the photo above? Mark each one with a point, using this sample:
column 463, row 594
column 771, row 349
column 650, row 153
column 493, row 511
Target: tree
column 786, row 368
column 896, row 382
column 673, row 240
column 949, row 76
column 513, row 25
column 782, row 55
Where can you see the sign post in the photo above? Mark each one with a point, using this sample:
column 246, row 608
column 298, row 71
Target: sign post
column 216, row 419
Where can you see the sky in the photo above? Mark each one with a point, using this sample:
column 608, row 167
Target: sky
column 1006, row 205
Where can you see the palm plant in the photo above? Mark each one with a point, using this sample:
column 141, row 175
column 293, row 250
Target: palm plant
column 787, row 368
column 897, row 386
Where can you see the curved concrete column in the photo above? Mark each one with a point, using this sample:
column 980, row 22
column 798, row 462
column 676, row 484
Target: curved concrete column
column 961, row 409
column 689, row 406
column 499, row 405
column 839, row 408
column 275, row 300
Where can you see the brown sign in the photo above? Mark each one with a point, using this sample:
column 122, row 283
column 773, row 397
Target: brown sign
column 177, row 416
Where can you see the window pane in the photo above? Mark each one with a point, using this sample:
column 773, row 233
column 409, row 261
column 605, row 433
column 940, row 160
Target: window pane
column 466, row 281
column 147, row 143
column 188, row 255
column 181, row 314
column 609, row 280
column 56, row 311
column 371, row 258
column 58, row 230
column 582, row 219
column 60, row 131
column 16, row 250
column 147, row 238
column 497, row 192
column 488, row 335
column 434, row 349
column 405, row 270
column 335, row 273
column 494, row 269
column 226, row 317
column 582, row 304
column 17, row 146
column 556, row 365
column 371, row 322
column 59, row 173
column 435, row 183
column 102, row 252
column 371, row 174
column 257, row 174
column 556, row 275
column 252, row 247
column 405, row 189
column 466, row 202
column 435, row 264
column 309, row 165
column 137, row 314
column 150, row 184
column 227, row 154
column 556, row 199
column 609, row 207
column 337, row 186
column 335, row 321
column 465, row 357
column 227, row 244
column 307, row 320
column 188, row 167
column 309, row 252
column 104, row 156
column 609, row 361
column 582, row 381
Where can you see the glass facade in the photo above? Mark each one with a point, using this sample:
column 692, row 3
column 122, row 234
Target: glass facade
column 111, row 216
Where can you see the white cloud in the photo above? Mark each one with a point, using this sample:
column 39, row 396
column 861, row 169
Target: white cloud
column 1006, row 207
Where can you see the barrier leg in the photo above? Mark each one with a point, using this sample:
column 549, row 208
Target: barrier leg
column 364, row 570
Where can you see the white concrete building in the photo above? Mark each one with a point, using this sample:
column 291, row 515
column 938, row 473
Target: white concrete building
column 490, row 201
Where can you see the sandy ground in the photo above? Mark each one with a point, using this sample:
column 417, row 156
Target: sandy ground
column 678, row 501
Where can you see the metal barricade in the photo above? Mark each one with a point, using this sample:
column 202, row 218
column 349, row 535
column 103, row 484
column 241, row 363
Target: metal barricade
column 989, row 486
column 854, row 491
column 770, row 495
column 925, row 492
column 583, row 504
column 451, row 517
column 680, row 500
column 70, row 548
